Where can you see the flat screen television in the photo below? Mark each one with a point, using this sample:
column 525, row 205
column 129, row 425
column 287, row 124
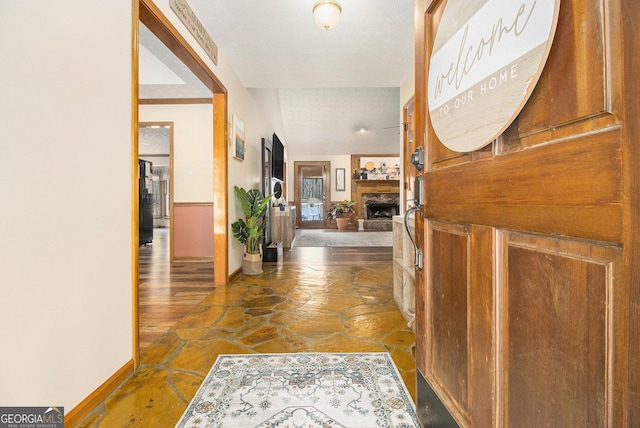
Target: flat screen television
column 278, row 158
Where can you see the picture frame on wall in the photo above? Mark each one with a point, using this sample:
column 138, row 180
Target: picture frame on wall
column 340, row 179
column 238, row 138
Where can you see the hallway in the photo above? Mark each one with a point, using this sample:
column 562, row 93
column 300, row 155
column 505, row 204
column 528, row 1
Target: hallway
column 317, row 299
column 167, row 292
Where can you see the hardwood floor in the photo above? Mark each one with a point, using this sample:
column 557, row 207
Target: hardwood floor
column 167, row 292
column 337, row 256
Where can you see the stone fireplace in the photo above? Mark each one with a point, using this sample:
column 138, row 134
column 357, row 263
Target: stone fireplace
column 371, row 192
column 378, row 210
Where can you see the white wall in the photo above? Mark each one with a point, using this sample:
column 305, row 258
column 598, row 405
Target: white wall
column 192, row 147
column 65, row 181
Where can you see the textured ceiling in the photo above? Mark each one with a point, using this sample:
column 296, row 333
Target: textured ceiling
column 275, row 43
column 329, row 120
column 153, row 140
column 329, row 84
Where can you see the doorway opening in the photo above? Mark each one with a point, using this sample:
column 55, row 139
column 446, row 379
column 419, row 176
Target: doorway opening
column 312, row 184
column 151, row 18
column 155, row 145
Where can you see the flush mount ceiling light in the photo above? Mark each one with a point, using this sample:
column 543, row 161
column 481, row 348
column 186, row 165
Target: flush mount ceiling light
column 326, row 14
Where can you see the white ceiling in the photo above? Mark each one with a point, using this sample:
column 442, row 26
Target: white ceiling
column 329, row 84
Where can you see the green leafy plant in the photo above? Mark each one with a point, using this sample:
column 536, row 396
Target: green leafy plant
column 250, row 230
column 341, row 209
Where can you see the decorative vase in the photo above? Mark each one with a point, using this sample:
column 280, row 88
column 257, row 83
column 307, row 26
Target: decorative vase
column 342, row 222
column 252, row 263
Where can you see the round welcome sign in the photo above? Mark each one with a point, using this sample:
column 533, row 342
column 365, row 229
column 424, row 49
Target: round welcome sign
column 487, row 57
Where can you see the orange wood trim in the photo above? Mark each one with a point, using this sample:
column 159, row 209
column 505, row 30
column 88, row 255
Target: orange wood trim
column 177, row 101
column 135, row 315
column 630, row 14
column 86, row 406
column 220, row 191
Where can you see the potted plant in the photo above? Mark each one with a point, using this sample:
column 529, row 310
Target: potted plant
column 341, row 212
column 249, row 231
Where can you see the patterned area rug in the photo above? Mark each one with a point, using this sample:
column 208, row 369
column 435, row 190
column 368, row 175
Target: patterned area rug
column 324, row 238
column 351, row 390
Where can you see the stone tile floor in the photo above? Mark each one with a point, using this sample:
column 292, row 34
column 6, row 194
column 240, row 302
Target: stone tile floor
column 286, row 309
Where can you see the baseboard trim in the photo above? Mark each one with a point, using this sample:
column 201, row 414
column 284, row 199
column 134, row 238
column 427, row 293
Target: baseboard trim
column 193, row 259
column 234, row 275
column 86, row 406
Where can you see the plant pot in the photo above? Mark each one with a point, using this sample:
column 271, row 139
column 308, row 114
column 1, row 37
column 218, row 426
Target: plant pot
column 252, row 263
column 342, row 222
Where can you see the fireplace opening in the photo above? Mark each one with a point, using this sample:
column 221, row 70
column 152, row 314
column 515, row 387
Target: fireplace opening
column 382, row 211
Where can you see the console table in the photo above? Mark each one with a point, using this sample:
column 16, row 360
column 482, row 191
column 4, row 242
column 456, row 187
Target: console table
column 283, row 225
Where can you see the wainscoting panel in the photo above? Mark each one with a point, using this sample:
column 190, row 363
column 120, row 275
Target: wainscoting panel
column 192, row 230
column 449, row 310
column 556, row 297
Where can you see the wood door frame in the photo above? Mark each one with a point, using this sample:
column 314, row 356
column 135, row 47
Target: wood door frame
column 146, row 12
column 297, row 187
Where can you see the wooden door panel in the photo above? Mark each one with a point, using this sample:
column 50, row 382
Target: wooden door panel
column 557, row 330
column 577, row 64
column 581, row 84
column 461, row 320
column 573, row 188
column 449, row 309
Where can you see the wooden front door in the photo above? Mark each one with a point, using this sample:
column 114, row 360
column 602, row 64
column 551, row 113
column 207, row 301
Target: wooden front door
column 312, row 185
column 527, row 309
